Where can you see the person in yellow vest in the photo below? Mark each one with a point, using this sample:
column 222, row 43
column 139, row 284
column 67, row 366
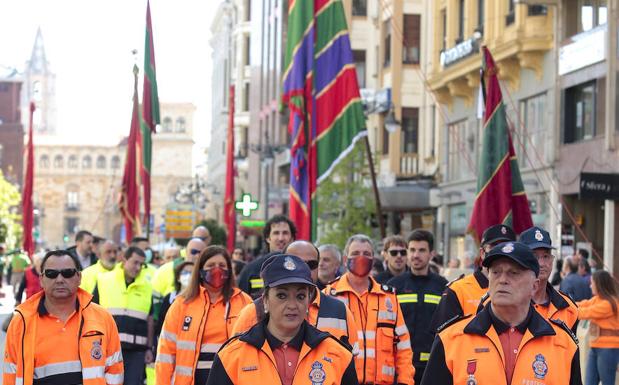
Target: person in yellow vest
column 127, row 295
column 284, row 348
column 108, row 252
column 603, row 312
column 385, row 353
column 199, row 321
column 508, row 342
column 462, row 296
column 58, row 336
column 163, row 279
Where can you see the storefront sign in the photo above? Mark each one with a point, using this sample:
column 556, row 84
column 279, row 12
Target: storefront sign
column 583, row 50
column 599, row 186
column 466, row 48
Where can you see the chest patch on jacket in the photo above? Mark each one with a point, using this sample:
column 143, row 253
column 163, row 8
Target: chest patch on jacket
column 186, row 323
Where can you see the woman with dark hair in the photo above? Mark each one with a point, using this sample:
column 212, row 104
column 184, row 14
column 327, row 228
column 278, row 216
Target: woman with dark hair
column 603, row 312
column 186, row 345
column 284, row 348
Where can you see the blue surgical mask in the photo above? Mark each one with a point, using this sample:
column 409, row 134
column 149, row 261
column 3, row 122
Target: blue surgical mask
column 184, row 279
column 149, row 255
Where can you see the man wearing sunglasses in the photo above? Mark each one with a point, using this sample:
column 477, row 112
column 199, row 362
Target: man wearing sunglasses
column 128, row 295
column 394, row 254
column 325, row 313
column 60, row 336
column 419, row 292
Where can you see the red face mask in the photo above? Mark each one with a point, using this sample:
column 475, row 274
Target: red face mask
column 360, row 266
column 215, row 277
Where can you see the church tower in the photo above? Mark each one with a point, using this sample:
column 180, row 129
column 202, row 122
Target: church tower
column 40, row 87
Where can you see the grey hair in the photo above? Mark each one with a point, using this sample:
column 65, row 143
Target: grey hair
column 333, row 249
column 358, row 238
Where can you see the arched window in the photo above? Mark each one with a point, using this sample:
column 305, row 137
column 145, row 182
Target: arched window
column 58, row 161
column 167, row 124
column 87, row 162
column 72, row 162
column 115, row 163
column 44, row 161
column 101, row 162
column 180, row 124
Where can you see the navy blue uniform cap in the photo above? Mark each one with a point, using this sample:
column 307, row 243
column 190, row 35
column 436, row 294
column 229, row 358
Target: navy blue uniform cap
column 517, row 252
column 282, row 269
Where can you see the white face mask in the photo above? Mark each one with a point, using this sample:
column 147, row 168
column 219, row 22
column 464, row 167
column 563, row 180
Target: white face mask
column 184, row 279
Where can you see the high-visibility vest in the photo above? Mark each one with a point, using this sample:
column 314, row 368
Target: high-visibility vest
column 384, row 342
column 180, row 342
column 130, row 306
column 99, row 347
column 90, row 274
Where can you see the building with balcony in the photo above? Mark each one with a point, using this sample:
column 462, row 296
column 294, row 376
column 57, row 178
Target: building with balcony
column 521, row 39
column 230, row 43
column 588, row 134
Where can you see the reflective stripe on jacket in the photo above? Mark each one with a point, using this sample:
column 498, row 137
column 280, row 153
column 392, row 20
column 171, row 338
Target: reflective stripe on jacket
column 325, row 313
column 384, row 342
column 248, row 360
column 180, row 342
column 471, row 347
column 130, row 305
column 103, row 366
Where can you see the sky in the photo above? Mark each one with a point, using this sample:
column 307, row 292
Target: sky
column 89, row 46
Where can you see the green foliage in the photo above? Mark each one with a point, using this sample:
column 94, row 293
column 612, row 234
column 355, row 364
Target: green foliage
column 10, row 221
column 218, row 233
column 346, row 200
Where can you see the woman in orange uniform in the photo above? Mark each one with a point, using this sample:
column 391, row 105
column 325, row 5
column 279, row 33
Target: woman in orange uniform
column 284, row 348
column 199, row 321
column 603, row 312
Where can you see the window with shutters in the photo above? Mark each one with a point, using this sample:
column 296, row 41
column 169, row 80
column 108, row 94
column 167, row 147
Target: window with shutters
column 412, row 38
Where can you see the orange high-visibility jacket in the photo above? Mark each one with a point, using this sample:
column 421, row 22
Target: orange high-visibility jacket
column 599, row 311
column 385, row 352
column 180, row 342
column 247, row 359
column 325, row 313
column 96, row 325
column 470, row 351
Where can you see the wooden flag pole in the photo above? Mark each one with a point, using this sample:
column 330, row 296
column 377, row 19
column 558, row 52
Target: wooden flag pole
column 379, row 209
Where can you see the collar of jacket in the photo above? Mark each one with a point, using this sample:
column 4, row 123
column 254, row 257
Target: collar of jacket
column 256, row 336
column 31, row 305
column 555, row 298
column 341, row 285
column 481, row 279
column 482, row 322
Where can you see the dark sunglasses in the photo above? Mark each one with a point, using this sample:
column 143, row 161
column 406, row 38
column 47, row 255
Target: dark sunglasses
column 195, row 251
column 66, row 273
column 393, row 253
column 312, row 264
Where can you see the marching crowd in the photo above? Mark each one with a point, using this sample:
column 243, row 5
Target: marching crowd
column 306, row 314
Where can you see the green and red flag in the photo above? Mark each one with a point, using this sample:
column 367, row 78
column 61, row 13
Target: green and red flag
column 130, row 195
column 500, row 192
column 229, row 212
column 27, row 206
column 150, row 115
column 322, row 94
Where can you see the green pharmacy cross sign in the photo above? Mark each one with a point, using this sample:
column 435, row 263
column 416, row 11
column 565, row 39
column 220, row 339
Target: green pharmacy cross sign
column 246, row 205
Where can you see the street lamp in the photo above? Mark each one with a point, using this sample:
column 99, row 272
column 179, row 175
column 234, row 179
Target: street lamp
column 267, row 153
column 391, row 123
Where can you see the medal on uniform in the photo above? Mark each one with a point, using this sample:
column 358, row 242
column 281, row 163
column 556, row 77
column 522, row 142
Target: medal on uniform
column 471, row 366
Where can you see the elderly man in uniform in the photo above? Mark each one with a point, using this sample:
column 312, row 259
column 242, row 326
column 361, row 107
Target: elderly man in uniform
column 329, row 265
column 508, row 342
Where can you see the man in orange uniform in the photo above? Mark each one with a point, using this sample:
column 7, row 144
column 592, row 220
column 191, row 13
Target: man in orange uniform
column 384, row 342
column 463, row 295
column 59, row 336
column 508, row 342
column 325, row 313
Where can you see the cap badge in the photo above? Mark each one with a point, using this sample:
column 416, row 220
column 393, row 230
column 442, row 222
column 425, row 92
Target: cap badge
column 317, row 375
column 503, row 230
column 539, row 236
column 540, row 368
column 289, row 264
column 508, row 248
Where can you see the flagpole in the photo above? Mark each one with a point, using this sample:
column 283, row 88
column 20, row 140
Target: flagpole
column 379, row 209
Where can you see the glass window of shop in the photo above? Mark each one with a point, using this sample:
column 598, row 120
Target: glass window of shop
column 530, row 138
column 457, row 230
